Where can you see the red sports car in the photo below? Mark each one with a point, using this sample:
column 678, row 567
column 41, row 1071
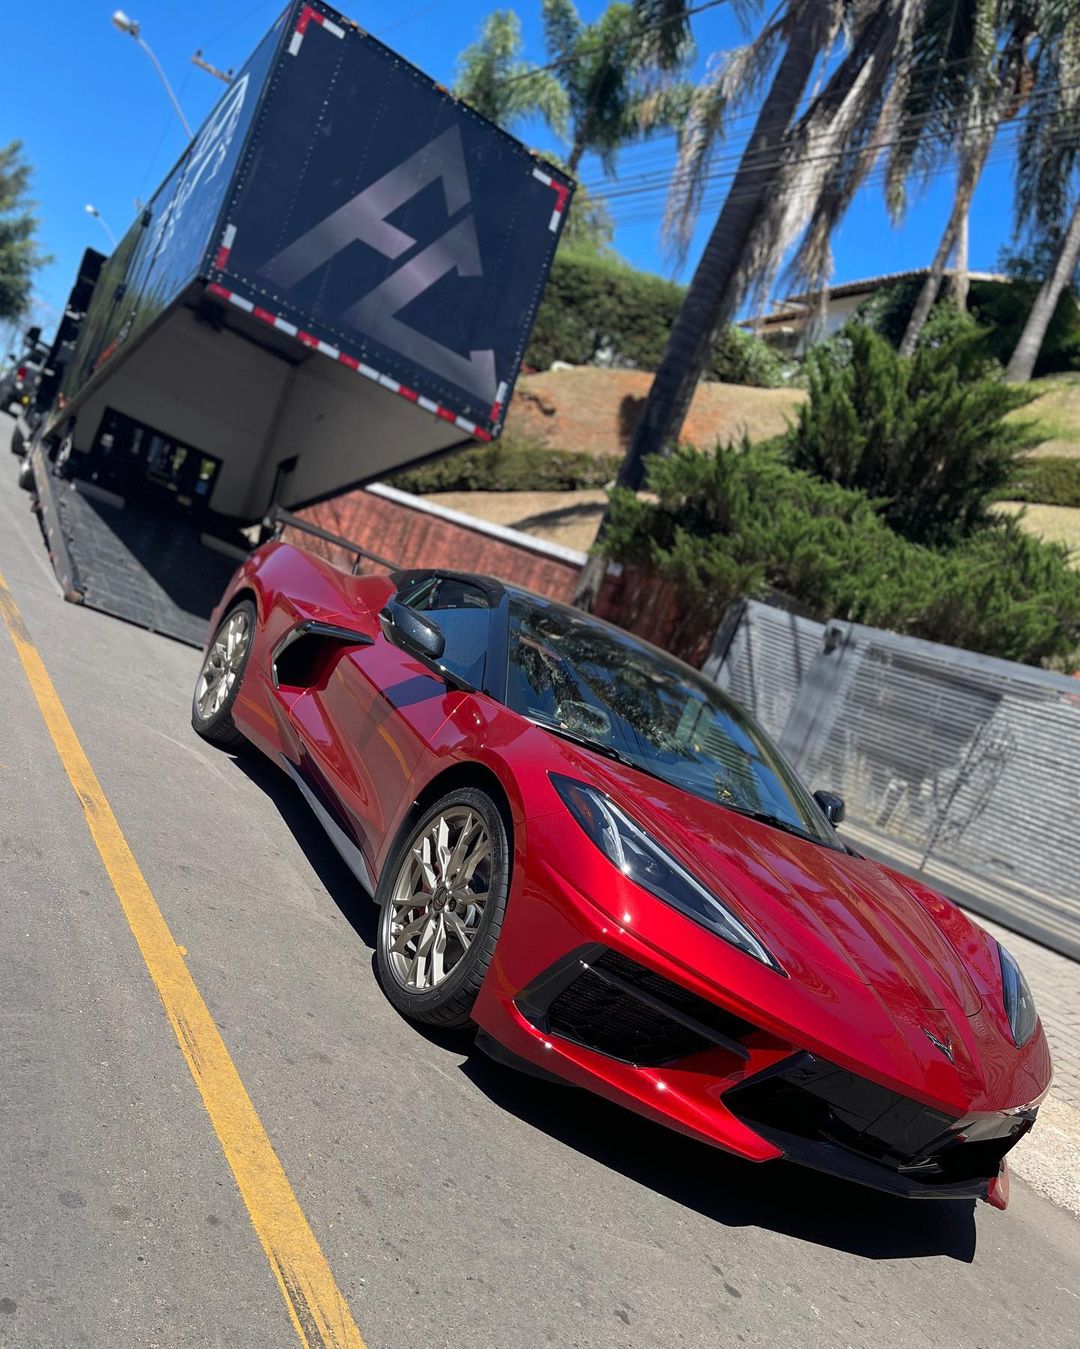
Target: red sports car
column 586, row 849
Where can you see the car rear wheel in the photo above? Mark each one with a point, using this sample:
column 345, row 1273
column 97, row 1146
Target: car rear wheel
column 442, row 903
column 219, row 679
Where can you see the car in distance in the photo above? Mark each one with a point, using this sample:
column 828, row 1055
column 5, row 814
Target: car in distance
column 584, row 848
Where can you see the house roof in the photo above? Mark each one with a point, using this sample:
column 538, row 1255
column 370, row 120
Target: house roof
column 869, row 284
column 795, row 309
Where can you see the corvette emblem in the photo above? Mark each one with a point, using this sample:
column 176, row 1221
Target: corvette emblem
column 944, row 1045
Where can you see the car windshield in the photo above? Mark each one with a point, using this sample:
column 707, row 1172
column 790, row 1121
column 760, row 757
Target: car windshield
column 599, row 685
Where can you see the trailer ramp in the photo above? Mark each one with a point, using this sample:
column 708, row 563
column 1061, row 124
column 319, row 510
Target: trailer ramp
column 150, row 567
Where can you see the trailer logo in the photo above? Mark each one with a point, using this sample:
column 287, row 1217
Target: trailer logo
column 208, row 155
column 364, row 219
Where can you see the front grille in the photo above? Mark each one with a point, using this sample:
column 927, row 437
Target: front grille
column 808, row 1098
column 619, row 1008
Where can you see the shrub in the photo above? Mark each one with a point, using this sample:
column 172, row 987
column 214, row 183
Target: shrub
column 741, row 358
column 1001, row 309
column 597, row 310
column 508, row 466
column 926, row 437
column 1053, row 481
column 738, row 522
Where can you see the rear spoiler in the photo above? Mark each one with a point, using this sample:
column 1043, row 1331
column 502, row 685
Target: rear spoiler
column 280, row 519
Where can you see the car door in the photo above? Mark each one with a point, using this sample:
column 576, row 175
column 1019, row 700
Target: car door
column 367, row 724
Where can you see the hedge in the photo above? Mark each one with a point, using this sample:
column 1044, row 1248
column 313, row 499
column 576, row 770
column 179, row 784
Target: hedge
column 1001, row 309
column 741, row 522
column 597, row 310
column 1053, row 481
column 509, row 466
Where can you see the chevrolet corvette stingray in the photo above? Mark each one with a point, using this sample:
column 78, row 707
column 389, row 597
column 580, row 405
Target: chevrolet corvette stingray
column 582, row 847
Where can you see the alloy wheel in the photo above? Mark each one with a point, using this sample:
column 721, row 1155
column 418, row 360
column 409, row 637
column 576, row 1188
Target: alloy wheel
column 438, row 899
column 222, row 666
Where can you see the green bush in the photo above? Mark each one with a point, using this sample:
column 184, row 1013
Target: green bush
column 508, row 466
column 1053, row 481
column 1000, row 308
column 741, row 522
column 926, row 437
column 598, row 308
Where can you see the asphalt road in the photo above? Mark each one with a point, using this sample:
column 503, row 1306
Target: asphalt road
column 457, row 1203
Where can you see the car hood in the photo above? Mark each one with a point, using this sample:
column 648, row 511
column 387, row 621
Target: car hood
column 884, row 976
column 814, row 906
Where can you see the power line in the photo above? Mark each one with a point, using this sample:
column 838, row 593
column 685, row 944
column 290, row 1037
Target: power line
column 749, row 116
column 575, row 57
column 780, row 156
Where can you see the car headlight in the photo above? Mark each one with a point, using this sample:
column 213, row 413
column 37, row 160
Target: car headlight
column 1019, row 1004
column 642, row 860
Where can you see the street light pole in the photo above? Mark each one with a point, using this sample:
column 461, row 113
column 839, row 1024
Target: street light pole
column 93, row 210
column 131, row 27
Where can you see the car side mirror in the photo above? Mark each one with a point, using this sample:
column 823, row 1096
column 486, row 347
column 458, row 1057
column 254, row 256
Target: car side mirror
column 413, row 632
column 832, row 805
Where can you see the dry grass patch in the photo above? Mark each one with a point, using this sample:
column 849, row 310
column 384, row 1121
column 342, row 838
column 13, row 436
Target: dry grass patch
column 1053, row 524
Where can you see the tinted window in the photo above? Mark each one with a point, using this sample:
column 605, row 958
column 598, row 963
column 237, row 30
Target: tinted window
column 462, row 612
column 600, row 685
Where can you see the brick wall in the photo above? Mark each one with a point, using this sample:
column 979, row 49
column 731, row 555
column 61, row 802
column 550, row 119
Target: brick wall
column 413, row 533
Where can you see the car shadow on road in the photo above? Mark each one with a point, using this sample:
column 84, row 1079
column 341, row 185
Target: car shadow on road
column 777, row 1196
column 335, row 877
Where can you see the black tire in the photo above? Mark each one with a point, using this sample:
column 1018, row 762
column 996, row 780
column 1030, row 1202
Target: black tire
column 26, row 476
column 451, row 1001
column 217, row 725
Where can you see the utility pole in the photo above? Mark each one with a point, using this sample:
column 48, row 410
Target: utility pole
column 225, row 76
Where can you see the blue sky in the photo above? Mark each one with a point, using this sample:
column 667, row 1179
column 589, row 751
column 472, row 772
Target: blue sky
column 98, row 128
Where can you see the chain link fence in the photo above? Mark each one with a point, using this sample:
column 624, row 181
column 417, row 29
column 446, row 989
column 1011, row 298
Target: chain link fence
column 960, row 767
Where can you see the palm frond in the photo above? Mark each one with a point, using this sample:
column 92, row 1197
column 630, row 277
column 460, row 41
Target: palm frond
column 729, row 82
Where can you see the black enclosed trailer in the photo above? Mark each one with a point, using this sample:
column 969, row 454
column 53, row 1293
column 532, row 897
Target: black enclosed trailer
column 337, row 279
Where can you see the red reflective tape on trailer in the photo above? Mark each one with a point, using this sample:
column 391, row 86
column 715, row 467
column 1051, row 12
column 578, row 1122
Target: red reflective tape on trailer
column 107, row 352
column 313, row 343
column 562, row 195
column 306, row 16
column 221, row 257
column 493, row 415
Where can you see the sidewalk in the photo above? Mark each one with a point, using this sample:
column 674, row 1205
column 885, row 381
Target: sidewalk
column 1049, row 1159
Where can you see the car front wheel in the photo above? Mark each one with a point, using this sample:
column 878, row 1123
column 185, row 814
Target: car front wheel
column 220, row 676
column 442, row 903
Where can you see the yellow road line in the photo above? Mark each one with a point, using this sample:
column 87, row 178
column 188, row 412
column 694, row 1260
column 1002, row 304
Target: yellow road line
column 319, row 1313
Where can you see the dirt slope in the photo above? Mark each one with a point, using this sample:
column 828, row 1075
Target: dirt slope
column 597, row 410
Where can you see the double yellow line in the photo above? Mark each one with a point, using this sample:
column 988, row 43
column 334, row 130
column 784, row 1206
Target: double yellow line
column 319, row 1312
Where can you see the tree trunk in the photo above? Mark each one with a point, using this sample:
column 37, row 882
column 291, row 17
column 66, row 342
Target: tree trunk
column 1022, row 362
column 968, row 174
column 960, row 278
column 715, row 289
column 576, row 151
column 971, row 167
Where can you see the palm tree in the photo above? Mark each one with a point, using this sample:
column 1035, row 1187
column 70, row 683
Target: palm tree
column 493, row 79
column 1047, row 191
column 612, row 73
column 981, row 84
column 793, row 42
